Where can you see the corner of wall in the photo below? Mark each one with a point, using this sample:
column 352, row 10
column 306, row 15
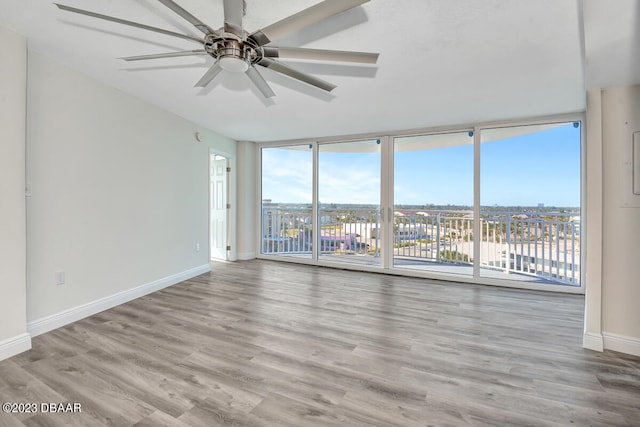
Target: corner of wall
column 14, row 345
column 593, row 341
column 593, row 201
column 620, row 317
column 13, row 85
column 247, row 193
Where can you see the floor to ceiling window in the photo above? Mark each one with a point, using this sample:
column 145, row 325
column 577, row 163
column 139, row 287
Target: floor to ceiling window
column 487, row 204
column 349, row 201
column 530, row 203
column 433, row 202
column 286, row 209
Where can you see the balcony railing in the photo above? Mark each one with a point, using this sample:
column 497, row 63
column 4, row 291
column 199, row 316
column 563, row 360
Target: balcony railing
column 539, row 245
column 545, row 245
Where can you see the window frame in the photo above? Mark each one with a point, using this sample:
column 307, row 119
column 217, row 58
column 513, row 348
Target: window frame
column 387, row 202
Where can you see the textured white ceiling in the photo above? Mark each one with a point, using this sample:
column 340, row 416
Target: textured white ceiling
column 441, row 62
column 612, row 39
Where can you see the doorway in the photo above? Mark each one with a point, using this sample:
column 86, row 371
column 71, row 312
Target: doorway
column 219, row 206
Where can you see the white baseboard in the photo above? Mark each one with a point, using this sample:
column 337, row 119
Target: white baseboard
column 245, row 256
column 593, row 341
column 621, row 343
column 49, row 323
column 14, row 345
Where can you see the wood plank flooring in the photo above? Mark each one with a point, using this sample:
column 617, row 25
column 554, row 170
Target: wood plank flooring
column 261, row 343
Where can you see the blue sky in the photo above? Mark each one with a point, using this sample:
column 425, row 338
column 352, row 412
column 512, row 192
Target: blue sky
column 540, row 167
column 543, row 167
column 441, row 176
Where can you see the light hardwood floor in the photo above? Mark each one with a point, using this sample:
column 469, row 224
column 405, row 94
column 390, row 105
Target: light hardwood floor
column 262, row 343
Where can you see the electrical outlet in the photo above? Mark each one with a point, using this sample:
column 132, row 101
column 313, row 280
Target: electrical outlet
column 60, row 278
column 197, row 247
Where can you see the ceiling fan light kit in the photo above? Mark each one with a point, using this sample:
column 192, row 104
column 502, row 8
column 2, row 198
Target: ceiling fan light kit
column 238, row 51
column 233, row 64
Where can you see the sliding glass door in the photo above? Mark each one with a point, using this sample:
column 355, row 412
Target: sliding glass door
column 530, row 203
column 349, row 202
column 286, row 210
column 493, row 205
column 433, row 203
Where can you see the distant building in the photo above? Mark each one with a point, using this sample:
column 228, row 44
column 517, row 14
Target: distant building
column 269, row 211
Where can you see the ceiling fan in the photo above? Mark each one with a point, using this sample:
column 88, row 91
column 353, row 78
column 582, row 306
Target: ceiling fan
column 238, row 51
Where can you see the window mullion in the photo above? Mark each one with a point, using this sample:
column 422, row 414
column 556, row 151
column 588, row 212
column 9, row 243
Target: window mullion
column 477, row 229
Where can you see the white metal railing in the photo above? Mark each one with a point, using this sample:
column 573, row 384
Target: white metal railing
column 290, row 231
column 286, row 231
column 539, row 244
column 439, row 236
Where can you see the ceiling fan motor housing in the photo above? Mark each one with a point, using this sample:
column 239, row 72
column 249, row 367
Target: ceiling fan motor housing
column 234, row 54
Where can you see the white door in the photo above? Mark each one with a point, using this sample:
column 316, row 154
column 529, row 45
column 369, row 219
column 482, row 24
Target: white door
column 219, row 208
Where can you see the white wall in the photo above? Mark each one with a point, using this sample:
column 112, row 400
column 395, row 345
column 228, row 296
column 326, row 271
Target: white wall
column 247, row 193
column 592, row 204
column 13, row 336
column 119, row 192
column 621, row 222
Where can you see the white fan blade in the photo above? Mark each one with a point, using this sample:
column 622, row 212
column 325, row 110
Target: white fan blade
column 125, row 22
column 209, row 75
column 298, row 75
column 320, row 54
column 303, row 19
column 260, row 82
column 233, row 13
column 187, row 16
column 165, row 55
